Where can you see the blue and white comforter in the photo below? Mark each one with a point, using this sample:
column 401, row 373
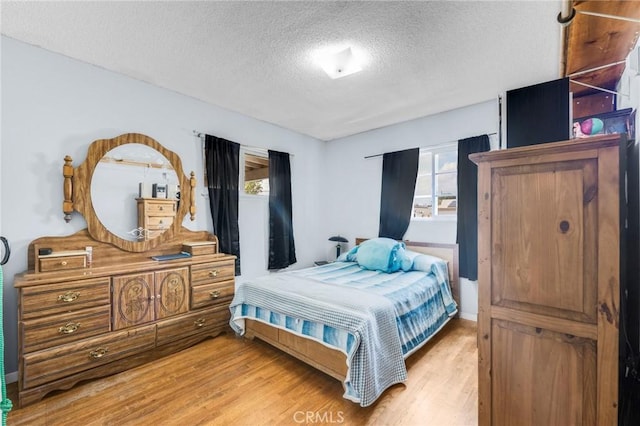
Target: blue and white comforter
column 377, row 319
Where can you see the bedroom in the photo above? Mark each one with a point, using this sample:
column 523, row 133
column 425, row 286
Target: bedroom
column 55, row 106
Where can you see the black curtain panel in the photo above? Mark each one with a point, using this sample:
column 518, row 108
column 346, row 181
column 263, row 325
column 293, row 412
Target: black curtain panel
column 538, row 114
column 399, row 173
column 282, row 250
column 223, row 166
column 467, row 232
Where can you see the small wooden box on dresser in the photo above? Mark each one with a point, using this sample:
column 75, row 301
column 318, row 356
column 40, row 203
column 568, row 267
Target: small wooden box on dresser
column 84, row 320
column 548, row 283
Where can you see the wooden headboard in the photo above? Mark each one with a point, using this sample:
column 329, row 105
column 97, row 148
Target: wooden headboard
column 448, row 252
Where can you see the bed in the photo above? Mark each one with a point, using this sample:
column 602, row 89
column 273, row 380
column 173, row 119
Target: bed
column 355, row 319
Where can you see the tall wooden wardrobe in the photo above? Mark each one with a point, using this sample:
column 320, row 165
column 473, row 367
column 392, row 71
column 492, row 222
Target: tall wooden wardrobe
column 548, row 283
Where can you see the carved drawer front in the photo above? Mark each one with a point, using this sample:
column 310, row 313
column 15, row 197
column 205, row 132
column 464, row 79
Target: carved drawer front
column 62, row 361
column 133, row 300
column 56, row 330
column 211, row 272
column 201, row 322
column 63, row 261
column 217, row 294
column 162, row 208
column 149, row 296
column 42, row 300
column 172, row 292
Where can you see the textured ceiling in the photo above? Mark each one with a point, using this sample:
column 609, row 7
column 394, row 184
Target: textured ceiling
column 256, row 57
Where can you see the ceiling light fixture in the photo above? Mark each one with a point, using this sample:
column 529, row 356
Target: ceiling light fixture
column 339, row 63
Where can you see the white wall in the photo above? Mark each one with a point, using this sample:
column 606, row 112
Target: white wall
column 53, row 106
column 353, row 183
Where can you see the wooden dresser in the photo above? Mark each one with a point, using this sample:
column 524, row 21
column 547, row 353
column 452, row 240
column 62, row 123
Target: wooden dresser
column 155, row 215
column 548, row 283
column 81, row 320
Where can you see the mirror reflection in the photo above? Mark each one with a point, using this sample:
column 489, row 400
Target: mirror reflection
column 135, row 192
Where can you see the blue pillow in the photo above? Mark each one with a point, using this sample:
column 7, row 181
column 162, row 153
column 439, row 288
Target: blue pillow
column 407, row 261
column 424, row 262
column 381, row 254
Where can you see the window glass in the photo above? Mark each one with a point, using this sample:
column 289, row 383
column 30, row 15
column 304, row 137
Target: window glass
column 255, row 173
column 447, row 161
column 436, row 185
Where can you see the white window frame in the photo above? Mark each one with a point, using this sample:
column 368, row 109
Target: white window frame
column 258, row 152
column 435, row 215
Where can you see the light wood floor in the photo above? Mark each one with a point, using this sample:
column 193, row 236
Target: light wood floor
column 232, row 381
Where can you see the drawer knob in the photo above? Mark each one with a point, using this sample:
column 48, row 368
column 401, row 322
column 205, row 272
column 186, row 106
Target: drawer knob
column 199, row 322
column 161, row 208
column 63, row 263
column 214, row 294
column 69, row 296
column 213, row 273
column 69, row 328
column 98, row 353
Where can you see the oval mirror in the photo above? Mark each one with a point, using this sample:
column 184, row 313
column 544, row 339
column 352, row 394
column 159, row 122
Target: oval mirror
column 126, row 181
column 120, row 181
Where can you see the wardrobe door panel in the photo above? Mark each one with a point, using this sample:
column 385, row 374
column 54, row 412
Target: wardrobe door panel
column 543, row 239
column 542, row 377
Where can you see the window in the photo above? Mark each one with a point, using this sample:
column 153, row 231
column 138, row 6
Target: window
column 255, row 172
column 437, row 184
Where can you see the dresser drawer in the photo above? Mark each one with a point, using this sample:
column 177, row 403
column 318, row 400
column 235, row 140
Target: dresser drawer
column 212, row 294
column 41, row 300
column 160, row 208
column 159, row 222
column 201, row 322
column 51, row 364
column 53, row 263
column 64, row 328
column 211, row 272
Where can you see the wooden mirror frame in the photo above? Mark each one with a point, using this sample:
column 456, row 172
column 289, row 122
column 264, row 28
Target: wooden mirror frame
column 77, row 192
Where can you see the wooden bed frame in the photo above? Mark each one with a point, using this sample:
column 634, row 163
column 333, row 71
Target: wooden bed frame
column 331, row 361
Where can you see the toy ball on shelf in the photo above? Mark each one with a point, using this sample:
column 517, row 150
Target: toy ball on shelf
column 588, row 127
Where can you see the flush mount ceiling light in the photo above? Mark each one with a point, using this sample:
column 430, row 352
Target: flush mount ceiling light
column 339, row 62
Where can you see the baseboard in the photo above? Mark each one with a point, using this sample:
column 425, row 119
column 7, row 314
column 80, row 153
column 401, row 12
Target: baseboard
column 470, row 317
column 11, row 377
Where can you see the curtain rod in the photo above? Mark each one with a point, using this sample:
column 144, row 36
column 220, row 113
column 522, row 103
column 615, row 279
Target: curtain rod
column 442, row 145
column 201, row 136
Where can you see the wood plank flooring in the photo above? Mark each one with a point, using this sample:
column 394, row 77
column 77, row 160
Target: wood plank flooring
column 233, row 381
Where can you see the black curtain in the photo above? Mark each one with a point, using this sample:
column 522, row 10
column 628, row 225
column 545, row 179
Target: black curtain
column 223, row 165
column 399, row 173
column 467, row 232
column 538, row 114
column 282, row 250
